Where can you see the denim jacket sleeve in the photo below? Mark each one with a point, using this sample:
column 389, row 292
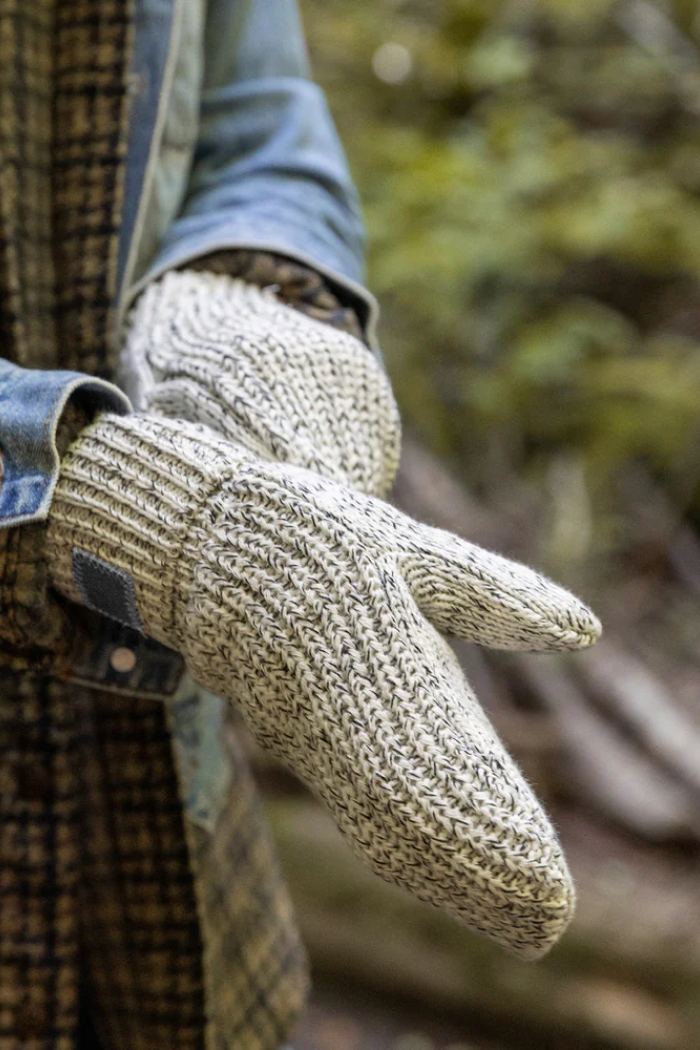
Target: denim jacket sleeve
column 269, row 171
column 31, row 404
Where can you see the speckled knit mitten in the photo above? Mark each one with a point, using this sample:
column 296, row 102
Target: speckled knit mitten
column 215, row 350
column 318, row 609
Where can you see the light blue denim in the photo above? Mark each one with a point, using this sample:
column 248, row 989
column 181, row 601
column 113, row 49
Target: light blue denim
column 230, row 145
column 31, row 403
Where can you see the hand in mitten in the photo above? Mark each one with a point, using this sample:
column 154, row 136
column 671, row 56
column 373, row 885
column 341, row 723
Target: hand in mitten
column 215, row 350
column 317, row 609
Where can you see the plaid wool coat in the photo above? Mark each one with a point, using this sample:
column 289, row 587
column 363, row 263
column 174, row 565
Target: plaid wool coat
column 164, row 932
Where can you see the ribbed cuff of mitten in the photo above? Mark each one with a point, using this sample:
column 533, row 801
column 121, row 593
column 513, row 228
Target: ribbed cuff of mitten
column 128, row 491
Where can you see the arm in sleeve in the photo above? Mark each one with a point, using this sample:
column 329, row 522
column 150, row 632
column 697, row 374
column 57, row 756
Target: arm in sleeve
column 269, row 171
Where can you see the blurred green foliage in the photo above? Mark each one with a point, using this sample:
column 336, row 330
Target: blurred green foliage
column 530, row 172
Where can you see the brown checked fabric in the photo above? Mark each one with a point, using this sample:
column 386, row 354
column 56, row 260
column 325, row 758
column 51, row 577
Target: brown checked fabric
column 254, row 965
column 92, row 41
column 165, row 935
column 142, row 943
column 27, row 322
column 63, row 121
column 63, row 134
column 39, row 864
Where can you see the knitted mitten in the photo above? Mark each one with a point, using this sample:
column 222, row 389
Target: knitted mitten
column 317, row 609
column 213, row 349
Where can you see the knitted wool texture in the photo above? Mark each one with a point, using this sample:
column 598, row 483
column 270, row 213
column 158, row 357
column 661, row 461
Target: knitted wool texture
column 318, row 609
column 216, row 350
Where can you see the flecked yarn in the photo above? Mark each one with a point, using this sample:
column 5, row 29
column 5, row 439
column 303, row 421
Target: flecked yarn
column 216, row 350
column 317, row 609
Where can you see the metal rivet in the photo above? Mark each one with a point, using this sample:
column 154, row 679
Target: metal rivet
column 123, row 660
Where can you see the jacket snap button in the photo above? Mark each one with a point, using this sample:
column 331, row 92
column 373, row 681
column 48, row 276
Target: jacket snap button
column 123, row 660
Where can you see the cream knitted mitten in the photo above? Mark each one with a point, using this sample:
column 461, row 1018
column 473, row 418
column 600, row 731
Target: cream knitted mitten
column 317, row 609
column 213, row 349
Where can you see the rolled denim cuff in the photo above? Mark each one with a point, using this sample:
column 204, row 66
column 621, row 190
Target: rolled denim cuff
column 197, row 239
column 32, row 402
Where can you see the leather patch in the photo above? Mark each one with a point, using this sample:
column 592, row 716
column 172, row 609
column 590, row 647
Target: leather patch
column 105, row 588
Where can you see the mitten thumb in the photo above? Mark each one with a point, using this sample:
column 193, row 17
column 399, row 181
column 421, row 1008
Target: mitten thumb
column 482, row 597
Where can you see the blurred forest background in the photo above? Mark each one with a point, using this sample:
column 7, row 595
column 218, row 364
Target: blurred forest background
column 530, row 171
